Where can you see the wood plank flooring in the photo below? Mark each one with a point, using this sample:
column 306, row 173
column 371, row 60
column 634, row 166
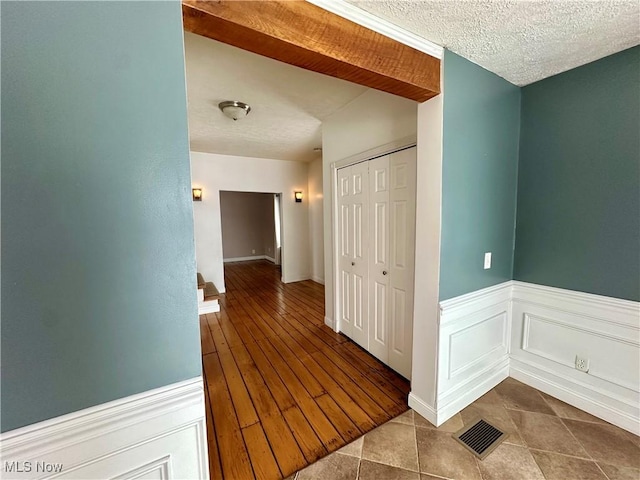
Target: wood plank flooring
column 283, row 389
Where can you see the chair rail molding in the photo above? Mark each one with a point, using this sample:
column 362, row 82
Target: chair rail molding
column 534, row 333
column 160, row 433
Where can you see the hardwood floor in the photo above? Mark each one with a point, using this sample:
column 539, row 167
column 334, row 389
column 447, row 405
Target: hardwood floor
column 283, row 389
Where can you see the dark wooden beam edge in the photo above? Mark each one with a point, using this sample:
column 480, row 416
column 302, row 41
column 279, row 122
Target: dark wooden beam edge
column 302, row 34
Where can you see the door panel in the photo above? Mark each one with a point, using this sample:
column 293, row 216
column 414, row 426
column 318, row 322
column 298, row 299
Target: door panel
column 379, row 258
column 359, row 260
column 402, row 195
column 345, row 254
column 399, row 229
column 380, row 313
column 398, row 317
column 352, row 263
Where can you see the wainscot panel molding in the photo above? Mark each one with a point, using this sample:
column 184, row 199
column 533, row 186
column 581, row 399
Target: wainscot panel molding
column 533, row 333
column 473, row 352
column 159, row 434
column 551, row 326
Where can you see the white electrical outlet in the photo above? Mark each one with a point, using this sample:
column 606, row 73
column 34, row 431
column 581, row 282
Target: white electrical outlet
column 582, row 364
column 253, row 251
column 487, row 260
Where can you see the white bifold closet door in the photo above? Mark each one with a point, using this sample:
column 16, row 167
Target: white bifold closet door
column 376, row 234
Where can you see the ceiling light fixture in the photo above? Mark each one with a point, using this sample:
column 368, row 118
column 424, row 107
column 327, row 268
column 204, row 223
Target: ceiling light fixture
column 234, row 110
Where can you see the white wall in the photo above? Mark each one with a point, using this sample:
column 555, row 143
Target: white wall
column 373, row 119
column 214, row 172
column 316, row 229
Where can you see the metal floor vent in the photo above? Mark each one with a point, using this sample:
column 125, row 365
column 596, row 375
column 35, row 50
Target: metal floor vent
column 480, row 438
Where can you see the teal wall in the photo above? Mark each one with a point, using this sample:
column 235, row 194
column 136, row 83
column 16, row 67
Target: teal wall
column 98, row 298
column 479, row 176
column 578, row 223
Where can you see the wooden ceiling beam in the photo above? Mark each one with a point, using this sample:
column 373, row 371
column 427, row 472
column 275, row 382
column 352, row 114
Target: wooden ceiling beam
column 302, row 34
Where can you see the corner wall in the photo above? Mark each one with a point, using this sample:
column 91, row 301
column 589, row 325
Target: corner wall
column 214, row 173
column 479, row 177
column 579, row 179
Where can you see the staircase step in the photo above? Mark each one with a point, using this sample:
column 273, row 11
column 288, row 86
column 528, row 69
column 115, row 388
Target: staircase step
column 210, row 292
column 201, row 281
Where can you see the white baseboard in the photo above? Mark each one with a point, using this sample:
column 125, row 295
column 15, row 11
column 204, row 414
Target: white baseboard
column 160, row 433
column 318, row 280
column 423, row 408
column 600, row 404
column 468, row 392
column 296, row 278
column 270, row 259
column 210, row 306
column 551, row 326
column 246, row 259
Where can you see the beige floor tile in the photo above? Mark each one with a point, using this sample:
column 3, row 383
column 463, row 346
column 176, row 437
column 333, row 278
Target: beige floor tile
column 606, row 443
column 634, row 438
column 392, row 444
column 562, row 467
column 420, row 421
column 452, row 425
column 335, row 467
column 495, row 414
column 510, row 462
column 426, row 476
column 522, row 397
column 354, row 448
column 441, row 455
column 565, row 410
column 491, row 397
column 620, row 473
column 406, row 418
column 546, row 432
column 377, row 471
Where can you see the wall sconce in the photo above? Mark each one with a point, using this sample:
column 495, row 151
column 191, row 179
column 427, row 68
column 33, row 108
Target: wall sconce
column 197, row 194
column 298, row 197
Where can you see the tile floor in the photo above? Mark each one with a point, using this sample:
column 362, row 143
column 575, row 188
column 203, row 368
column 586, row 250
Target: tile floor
column 548, row 439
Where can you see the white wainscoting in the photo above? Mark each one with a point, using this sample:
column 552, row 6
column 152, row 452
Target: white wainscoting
column 473, row 354
column 159, row 434
column 533, row 333
column 552, row 325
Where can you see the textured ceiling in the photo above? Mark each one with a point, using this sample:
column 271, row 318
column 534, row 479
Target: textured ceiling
column 287, row 102
column 522, row 41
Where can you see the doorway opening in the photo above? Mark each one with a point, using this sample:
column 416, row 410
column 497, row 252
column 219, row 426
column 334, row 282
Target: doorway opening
column 251, row 226
column 283, row 389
